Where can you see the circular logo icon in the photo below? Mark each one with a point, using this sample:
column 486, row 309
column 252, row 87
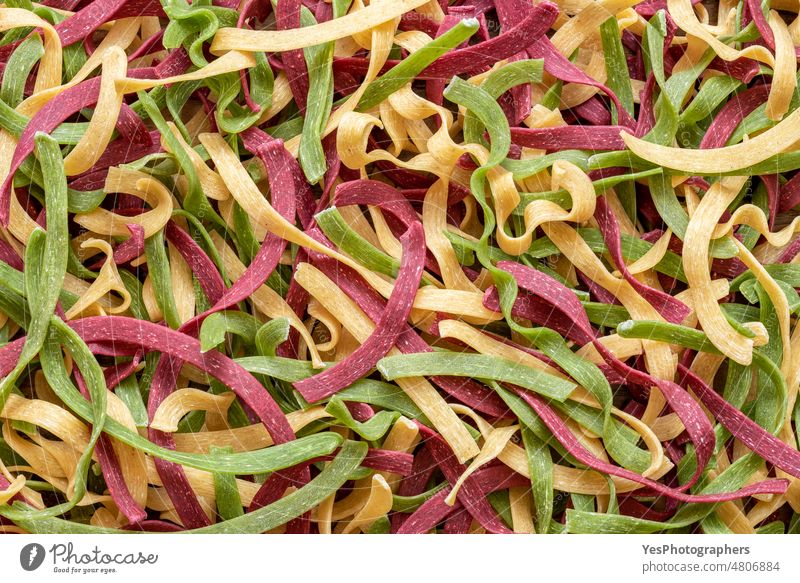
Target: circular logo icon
column 31, row 556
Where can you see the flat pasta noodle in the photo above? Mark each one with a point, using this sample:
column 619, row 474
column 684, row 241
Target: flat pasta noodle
column 785, row 79
column 378, row 504
column 51, row 62
column 91, row 146
column 683, row 14
column 284, row 40
column 121, row 34
column 563, row 175
column 141, row 185
column 731, row 342
column 178, row 404
column 108, row 280
column 714, row 161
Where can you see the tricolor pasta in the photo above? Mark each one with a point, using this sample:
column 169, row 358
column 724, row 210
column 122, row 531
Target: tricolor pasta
column 399, row 266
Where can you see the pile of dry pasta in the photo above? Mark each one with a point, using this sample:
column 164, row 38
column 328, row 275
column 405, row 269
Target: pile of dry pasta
column 399, row 266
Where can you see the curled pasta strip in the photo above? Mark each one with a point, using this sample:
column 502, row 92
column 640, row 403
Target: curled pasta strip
column 248, row 438
column 378, row 504
column 564, row 175
column 495, row 443
column 695, row 264
column 182, row 284
column 101, row 127
column 418, row 389
column 784, row 80
column 104, row 222
column 653, row 256
column 107, row 281
column 332, row 325
column 729, row 159
column 180, row 402
column 50, row 65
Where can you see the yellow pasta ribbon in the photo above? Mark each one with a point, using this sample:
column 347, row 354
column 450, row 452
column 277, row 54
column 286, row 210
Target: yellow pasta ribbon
column 50, row 64
column 424, row 395
column 180, row 402
column 784, row 78
column 141, row 185
column 101, row 127
column 367, row 18
column 695, row 264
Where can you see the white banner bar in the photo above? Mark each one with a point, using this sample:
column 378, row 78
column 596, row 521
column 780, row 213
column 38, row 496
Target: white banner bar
column 334, row 559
